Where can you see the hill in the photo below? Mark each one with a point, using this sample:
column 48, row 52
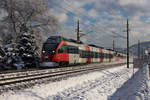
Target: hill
column 143, row 46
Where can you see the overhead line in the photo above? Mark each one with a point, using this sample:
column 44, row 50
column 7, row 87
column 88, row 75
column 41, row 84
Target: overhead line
column 82, row 14
column 64, row 9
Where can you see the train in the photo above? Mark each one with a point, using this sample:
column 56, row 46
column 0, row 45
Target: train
column 60, row 51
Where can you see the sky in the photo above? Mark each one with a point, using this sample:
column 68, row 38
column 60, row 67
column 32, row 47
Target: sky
column 103, row 20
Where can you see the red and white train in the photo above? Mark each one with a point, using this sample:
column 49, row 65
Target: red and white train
column 60, row 51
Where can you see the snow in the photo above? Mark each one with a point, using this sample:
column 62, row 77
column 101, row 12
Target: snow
column 109, row 84
column 136, row 88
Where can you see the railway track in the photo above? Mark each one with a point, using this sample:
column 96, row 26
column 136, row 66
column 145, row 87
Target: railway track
column 25, row 72
column 27, row 79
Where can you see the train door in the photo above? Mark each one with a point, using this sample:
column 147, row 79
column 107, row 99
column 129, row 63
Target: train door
column 73, row 54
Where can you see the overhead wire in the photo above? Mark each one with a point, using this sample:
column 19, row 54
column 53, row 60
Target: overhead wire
column 83, row 14
column 77, row 15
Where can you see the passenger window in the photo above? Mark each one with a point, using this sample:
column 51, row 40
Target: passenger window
column 60, row 50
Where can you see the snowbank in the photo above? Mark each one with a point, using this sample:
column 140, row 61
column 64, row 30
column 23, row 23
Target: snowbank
column 136, row 88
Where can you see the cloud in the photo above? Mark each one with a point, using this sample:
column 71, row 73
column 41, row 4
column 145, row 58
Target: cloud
column 133, row 2
column 135, row 33
column 105, row 16
column 87, row 22
column 61, row 16
column 93, row 13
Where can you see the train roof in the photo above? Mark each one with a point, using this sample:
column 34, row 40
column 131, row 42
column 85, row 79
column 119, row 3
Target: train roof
column 69, row 40
column 95, row 46
column 110, row 49
column 75, row 41
column 72, row 40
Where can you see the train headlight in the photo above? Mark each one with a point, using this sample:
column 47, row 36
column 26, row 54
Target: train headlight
column 53, row 51
column 43, row 51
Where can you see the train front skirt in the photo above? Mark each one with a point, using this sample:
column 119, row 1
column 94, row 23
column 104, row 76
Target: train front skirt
column 49, row 64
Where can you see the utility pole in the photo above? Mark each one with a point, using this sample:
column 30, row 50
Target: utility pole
column 127, row 44
column 114, row 45
column 138, row 49
column 142, row 56
column 78, row 31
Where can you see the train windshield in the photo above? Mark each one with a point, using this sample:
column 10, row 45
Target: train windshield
column 51, row 44
column 49, row 48
column 53, row 40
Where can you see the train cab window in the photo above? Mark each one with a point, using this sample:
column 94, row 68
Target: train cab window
column 53, row 40
column 49, row 48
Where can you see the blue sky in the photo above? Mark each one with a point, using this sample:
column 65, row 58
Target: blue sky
column 103, row 17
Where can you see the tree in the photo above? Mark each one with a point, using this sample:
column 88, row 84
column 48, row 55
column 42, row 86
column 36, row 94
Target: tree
column 26, row 48
column 27, row 15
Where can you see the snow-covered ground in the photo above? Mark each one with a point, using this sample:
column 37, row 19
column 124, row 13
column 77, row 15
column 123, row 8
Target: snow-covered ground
column 110, row 84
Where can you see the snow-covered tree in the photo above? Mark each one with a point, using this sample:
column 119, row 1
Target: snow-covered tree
column 21, row 54
column 23, row 15
column 26, row 49
column 23, row 23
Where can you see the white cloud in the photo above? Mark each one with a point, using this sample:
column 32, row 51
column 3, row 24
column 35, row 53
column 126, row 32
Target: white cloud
column 93, row 13
column 135, row 33
column 133, row 2
column 61, row 16
column 87, row 22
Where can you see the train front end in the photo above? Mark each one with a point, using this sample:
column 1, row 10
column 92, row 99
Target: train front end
column 49, row 51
